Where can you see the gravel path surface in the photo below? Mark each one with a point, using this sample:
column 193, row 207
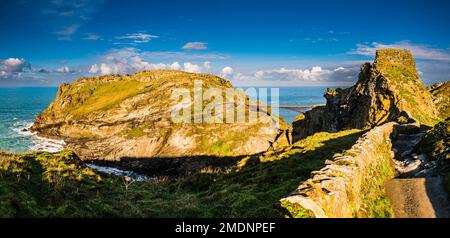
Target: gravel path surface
column 417, row 192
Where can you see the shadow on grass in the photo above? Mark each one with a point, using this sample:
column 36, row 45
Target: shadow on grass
column 171, row 166
column 218, row 187
column 253, row 185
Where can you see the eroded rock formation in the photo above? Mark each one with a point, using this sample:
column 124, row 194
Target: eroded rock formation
column 387, row 90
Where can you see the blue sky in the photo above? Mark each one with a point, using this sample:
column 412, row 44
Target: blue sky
column 270, row 43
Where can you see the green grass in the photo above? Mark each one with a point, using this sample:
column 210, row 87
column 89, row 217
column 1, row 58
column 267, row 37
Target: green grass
column 105, row 96
column 59, row 185
column 436, row 141
column 135, row 132
column 296, row 211
column 376, row 203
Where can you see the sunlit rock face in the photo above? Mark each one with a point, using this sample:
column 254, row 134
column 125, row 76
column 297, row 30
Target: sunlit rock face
column 387, row 90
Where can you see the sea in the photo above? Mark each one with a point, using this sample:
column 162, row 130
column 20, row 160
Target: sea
column 20, row 106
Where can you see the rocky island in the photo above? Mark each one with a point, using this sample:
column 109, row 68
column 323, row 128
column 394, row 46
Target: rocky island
column 128, row 119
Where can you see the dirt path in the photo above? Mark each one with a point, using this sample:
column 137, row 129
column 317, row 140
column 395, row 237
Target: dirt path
column 418, row 198
column 417, row 192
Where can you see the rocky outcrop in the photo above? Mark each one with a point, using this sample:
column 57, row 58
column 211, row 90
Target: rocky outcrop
column 352, row 183
column 441, row 98
column 436, row 142
column 129, row 116
column 387, row 90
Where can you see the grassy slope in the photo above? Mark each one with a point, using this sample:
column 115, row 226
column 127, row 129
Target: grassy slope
column 58, row 185
column 106, row 96
column 102, row 93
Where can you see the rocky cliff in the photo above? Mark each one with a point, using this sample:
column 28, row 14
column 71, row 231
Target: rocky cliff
column 441, row 98
column 129, row 116
column 387, row 90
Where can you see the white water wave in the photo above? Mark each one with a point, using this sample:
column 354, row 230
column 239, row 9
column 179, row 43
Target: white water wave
column 38, row 143
column 118, row 172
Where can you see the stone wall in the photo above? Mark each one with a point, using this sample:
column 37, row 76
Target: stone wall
column 351, row 184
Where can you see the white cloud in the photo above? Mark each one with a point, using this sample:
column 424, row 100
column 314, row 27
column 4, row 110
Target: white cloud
column 227, row 71
column 13, row 68
column 14, row 65
column 182, row 55
column 419, row 51
column 315, row 75
column 195, row 46
column 18, row 72
column 321, row 39
column 207, row 65
column 136, row 38
column 192, row 68
column 94, row 69
column 175, row 66
column 130, row 60
column 64, row 70
column 67, row 32
column 91, row 36
column 71, row 10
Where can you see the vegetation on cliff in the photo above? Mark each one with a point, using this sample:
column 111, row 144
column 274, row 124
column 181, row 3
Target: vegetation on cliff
column 398, row 68
column 59, row 185
column 436, row 145
column 441, row 98
column 130, row 116
column 387, row 90
column 436, row 142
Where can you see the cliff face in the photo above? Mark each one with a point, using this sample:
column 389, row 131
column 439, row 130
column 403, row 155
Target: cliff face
column 441, row 98
column 114, row 117
column 387, row 90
